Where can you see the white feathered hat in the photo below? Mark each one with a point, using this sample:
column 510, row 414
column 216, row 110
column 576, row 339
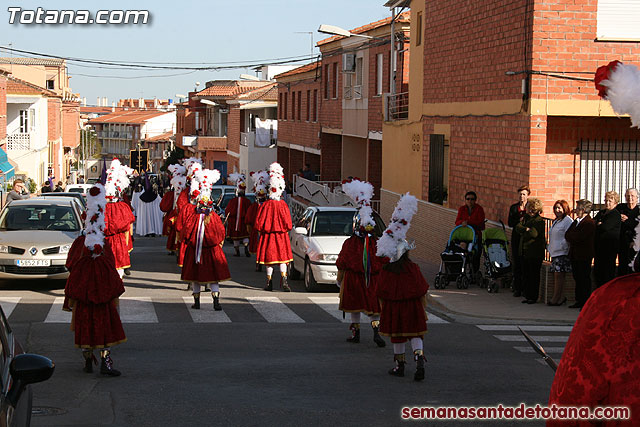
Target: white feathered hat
column 276, row 181
column 240, row 180
column 392, row 244
column 206, row 179
column 117, row 178
column 361, row 192
column 260, row 182
column 620, row 84
column 94, row 222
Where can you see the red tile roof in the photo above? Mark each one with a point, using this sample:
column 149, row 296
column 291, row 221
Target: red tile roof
column 299, row 70
column 128, row 116
column 160, row 138
column 96, row 110
column 33, row 61
column 403, row 17
column 17, row 86
column 230, row 88
column 267, row 93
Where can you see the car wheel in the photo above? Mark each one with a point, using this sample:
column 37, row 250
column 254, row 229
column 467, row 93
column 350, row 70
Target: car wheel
column 293, row 273
column 309, row 281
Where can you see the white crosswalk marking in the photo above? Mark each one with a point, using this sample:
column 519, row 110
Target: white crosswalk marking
column 137, row 310
column 274, row 310
column 432, row 318
column 56, row 315
column 9, row 304
column 330, row 305
column 206, row 314
column 547, row 349
column 527, row 328
column 539, row 338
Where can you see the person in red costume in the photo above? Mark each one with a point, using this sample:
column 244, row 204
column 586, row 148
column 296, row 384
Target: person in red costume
column 168, row 205
column 600, row 365
column 236, row 212
column 402, row 290
column 93, row 288
column 273, row 223
column 203, row 233
column 193, row 166
column 358, row 267
column 260, row 180
column 119, row 218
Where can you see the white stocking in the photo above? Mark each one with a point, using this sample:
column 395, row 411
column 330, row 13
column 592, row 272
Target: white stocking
column 355, row 317
column 398, row 348
column 214, row 287
column 416, row 344
column 283, row 269
column 270, row 271
column 374, row 317
column 196, row 288
column 245, row 241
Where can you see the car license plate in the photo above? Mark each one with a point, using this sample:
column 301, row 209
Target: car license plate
column 332, row 274
column 33, row 262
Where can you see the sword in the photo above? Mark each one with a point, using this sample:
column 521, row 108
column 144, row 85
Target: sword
column 538, row 349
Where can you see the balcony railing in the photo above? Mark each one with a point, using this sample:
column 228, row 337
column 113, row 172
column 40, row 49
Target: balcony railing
column 396, row 107
column 19, row 141
column 212, row 143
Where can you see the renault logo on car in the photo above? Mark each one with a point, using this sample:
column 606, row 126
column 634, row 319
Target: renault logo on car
column 33, row 251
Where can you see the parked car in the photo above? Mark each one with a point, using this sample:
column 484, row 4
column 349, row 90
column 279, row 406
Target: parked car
column 226, row 198
column 18, row 370
column 78, row 188
column 218, row 190
column 36, row 235
column 78, row 196
column 317, row 240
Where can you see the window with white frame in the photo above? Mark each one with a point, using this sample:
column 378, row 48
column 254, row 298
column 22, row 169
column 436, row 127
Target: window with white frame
column 27, row 120
column 618, row 20
column 379, row 69
column 357, row 88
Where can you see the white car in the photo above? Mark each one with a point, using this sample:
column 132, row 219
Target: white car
column 317, row 240
column 78, row 188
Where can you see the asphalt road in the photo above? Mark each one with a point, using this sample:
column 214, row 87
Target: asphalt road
column 267, row 359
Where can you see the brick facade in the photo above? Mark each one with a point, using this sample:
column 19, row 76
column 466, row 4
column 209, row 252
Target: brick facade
column 331, row 161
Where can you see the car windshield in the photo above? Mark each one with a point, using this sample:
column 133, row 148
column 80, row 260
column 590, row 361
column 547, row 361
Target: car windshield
column 340, row 223
column 229, row 196
column 59, row 218
column 75, row 190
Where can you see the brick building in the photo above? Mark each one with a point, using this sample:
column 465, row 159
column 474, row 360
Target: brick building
column 501, row 94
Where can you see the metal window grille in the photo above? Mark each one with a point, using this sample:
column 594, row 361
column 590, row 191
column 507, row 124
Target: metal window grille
column 607, row 165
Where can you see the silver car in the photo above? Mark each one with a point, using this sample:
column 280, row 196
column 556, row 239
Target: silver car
column 35, row 237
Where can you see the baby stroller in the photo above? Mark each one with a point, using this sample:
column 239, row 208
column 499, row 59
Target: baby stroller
column 457, row 259
column 496, row 257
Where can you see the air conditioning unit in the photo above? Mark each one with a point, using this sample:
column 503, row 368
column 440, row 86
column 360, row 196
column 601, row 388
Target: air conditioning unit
column 349, row 62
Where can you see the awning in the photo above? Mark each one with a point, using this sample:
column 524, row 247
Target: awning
column 7, row 170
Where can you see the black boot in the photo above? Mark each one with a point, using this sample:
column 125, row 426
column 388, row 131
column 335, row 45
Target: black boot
column 106, row 368
column 259, row 268
column 237, row 249
column 89, row 360
column 418, row 356
column 355, row 333
column 216, row 301
column 127, row 272
column 246, row 251
column 398, row 371
column 269, row 286
column 284, row 284
column 376, row 334
column 196, row 301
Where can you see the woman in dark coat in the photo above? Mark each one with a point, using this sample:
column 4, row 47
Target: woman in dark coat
column 607, row 239
column 531, row 248
column 629, row 213
column 516, row 214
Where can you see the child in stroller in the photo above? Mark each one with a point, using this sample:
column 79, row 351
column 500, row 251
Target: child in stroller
column 457, row 259
column 496, row 258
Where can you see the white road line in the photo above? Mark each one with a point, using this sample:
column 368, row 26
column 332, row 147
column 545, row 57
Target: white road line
column 206, row 314
column 547, row 349
column 56, row 315
column 330, row 305
column 137, row 310
column 545, row 328
column 8, row 304
column 540, row 338
column 432, row 318
column 274, row 310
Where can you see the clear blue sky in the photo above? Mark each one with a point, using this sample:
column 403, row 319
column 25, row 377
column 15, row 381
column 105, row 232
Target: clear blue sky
column 181, row 31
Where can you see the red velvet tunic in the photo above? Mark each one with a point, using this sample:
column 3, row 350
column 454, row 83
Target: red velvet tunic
column 236, row 212
column 250, row 219
column 92, row 290
column 600, row 364
column 273, row 223
column 117, row 231
column 213, row 264
column 168, row 222
column 403, row 300
column 355, row 296
column 181, row 205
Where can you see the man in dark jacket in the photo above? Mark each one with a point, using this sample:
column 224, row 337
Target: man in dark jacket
column 580, row 236
column 18, row 192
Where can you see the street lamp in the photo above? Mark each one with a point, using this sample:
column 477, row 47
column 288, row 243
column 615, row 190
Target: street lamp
column 206, row 101
column 337, row 31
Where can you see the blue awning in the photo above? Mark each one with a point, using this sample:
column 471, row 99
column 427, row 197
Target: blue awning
column 7, row 171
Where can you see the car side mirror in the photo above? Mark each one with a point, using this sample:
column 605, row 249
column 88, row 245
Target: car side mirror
column 28, row 369
column 301, row 230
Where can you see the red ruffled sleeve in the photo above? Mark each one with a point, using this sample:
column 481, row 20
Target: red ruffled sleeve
column 118, row 218
column 166, row 204
column 351, row 255
column 273, row 216
column 75, row 252
column 408, row 284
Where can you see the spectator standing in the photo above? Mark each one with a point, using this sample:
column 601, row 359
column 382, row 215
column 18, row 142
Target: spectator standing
column 46, row 188
column 308, row 173
column 516, row 214
column 59, row 188
column 629, row 213
column 580, row 237
column 607, row 239
column 471, row 213
column 18, row 192
column 559, row 250
column 81, row 179
column 532, row 243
